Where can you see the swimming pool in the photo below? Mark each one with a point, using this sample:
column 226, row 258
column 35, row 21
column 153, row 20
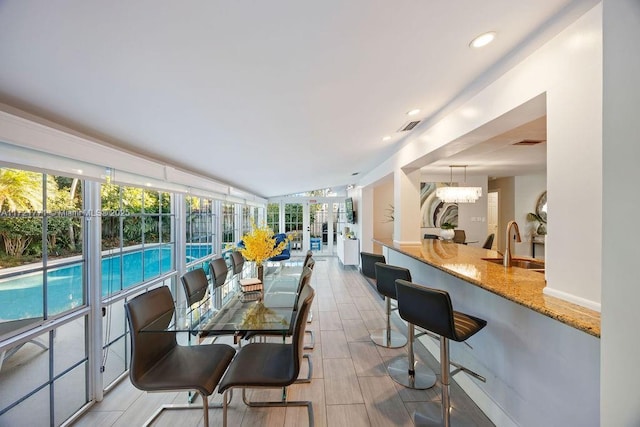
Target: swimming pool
column 22, row 296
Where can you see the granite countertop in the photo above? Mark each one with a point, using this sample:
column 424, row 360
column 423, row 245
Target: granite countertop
column 524, row 287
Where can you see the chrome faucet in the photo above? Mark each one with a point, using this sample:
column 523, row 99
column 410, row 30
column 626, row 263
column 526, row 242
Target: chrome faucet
column 506, row 260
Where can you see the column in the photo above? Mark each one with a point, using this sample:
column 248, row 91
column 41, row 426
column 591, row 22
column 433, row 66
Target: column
column 406, row 199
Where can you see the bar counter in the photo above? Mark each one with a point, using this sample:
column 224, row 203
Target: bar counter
column 524, row 287
column 540, row 354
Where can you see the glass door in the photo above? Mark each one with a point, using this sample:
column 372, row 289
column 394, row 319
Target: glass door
column 315, row 221
column 294, row 222
column 326, row 218
column 340, row 219
column 321, row 227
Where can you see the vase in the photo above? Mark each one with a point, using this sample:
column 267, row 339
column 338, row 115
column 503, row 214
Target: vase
column 447, row 234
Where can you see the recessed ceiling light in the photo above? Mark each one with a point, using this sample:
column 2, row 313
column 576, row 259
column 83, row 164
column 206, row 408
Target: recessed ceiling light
column 386, row 138
column 483, row 39
column 413, row 112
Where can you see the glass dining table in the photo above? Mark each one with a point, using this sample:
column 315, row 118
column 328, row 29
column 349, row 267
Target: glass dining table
column 271, row 311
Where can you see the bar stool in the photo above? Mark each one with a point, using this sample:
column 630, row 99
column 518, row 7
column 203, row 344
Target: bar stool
column 368, row 263
column 404, row 370
column 431, row 309
column 386, row 276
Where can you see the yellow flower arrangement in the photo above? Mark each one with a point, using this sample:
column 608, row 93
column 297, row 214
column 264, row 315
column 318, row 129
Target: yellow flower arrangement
column 259, row 244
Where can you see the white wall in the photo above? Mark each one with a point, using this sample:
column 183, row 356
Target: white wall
column 568, row 69
column 574, row 162
column 620, row 347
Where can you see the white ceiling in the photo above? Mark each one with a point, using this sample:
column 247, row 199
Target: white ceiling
column 498, row 157
column 273, row 97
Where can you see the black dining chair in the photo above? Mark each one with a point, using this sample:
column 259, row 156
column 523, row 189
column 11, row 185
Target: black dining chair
column 195, row 285
column 158, row 363
column 237, row 263
column 284, row 288
column 460, row 237
column 307, row 257
column 488, row 244
column 270, row 365
column 219, row 277
column 309, row 262
column 237, row 270
column 219, row 271
column 304, row 280
column 196, row 290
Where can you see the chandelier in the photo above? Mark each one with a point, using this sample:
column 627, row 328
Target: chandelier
column 453, row 194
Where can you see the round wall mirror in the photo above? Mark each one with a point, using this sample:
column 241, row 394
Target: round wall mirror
column 541, row 206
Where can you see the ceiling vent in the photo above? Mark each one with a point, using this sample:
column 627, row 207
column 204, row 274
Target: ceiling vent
column 529, row 142
column 408, row 126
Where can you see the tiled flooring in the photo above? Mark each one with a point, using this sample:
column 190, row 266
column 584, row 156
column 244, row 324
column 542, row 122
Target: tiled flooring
column 350, row 385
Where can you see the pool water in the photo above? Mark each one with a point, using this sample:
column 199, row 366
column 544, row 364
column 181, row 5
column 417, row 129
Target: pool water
column 22, row 296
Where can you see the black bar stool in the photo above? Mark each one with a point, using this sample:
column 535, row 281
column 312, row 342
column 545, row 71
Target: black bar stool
column 404, row 370
column 386, row 276
column 367, row 264
column 431, row 309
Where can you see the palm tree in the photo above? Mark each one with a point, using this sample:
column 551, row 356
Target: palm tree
column 20, row 190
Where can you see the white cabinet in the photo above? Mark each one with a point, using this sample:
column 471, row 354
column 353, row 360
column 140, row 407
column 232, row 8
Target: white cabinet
column 348, row 251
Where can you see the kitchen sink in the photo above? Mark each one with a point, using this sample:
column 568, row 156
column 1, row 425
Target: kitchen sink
column 521, row 263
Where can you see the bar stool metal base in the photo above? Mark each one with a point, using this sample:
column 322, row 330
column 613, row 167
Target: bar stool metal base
column 430, row 415
column 395, row 339
column 422, row 378
column 388, row 337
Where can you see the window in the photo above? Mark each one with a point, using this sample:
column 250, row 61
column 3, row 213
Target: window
column 46, row 232
column 273, row 216
column 201, row 238
column 41, row 252
column 293, row 217
column 138, row 247
column 42, row 272
column 229, row 224
column 247, row 217
column 136, row 236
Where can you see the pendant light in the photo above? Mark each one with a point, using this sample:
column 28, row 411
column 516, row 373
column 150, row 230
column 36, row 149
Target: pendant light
column 462, row 194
